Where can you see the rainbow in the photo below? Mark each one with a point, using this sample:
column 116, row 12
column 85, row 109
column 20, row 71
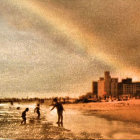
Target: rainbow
column 86, row 40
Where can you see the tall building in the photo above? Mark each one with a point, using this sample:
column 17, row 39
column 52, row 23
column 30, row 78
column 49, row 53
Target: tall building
column 101, row 87
column 107, row 80
column 94, row 87
column 107, row 86
column 120, row 88
column 104, row 85
column 136, row 89
column 114, row 87
column 127, row 87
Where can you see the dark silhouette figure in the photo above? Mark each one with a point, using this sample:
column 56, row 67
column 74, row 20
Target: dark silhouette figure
column 37, row 110
column 60, row 110
column 18, row 108
column 24, row 116
column 12, row 103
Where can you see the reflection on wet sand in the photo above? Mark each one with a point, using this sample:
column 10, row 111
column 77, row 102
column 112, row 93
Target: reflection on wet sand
column 76, row 125
column 35, row 128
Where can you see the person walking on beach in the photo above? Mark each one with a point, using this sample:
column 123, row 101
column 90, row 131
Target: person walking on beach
column 60, row 110
column 24, row 116
column 37, row 110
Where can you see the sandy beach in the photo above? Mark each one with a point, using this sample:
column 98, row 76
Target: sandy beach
column 105, row 120
column 10, row 124
column 120, row 110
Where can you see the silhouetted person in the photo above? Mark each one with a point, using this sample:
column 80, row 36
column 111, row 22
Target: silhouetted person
column 12, row 103
column 18, row 108
column 37, row 110
column 24, row 116
column 60, row 110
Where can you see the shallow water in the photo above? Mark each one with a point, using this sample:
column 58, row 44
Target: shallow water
column 77, row 124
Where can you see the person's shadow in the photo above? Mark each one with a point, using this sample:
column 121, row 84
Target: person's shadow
column 62, row 127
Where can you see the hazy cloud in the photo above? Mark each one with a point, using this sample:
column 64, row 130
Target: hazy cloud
column 61, row 46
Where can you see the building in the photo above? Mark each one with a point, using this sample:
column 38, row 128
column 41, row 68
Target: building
column 129, row 88
column 136, row 89
column 120, row 88
column 104, row 85
column 125, row 87
column 114, row 87
column 107, row 82
column 101, row 86
column 108, row 86
column 94, row 87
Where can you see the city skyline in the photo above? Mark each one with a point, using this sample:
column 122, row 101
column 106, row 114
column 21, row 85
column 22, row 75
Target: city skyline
column 108, row 86
column 59, row 47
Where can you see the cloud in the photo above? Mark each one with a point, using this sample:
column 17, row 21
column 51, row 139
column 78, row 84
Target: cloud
column 61, row 46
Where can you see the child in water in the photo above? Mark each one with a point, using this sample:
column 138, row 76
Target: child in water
column 60, row 110
column 24, row 116
column 37, row 110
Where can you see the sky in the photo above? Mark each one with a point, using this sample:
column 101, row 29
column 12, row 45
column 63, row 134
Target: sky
column 58, row 47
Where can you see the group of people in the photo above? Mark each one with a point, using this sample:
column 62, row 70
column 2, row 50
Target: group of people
column 56, row 105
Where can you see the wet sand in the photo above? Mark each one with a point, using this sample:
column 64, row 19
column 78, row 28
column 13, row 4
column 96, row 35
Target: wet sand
column 78, row 123
column 44, row 128
column 10, row 124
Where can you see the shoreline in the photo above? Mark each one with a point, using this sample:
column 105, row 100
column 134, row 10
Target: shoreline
column 121, row 110
column 80, row 122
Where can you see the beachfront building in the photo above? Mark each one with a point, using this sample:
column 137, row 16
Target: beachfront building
column 101, row 87
column 120, row 88
column 94, row 88
column 136, row 89
column 107, row 86
column 114, row 87
column 125, row 88
column 129, row 88
column 110, row 87
column 107, row 82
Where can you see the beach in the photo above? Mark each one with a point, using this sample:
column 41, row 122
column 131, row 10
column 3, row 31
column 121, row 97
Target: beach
column 106, row 120
column 117, row 110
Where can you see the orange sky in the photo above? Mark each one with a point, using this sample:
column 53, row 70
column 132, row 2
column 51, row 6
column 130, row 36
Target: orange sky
column 59, row 46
